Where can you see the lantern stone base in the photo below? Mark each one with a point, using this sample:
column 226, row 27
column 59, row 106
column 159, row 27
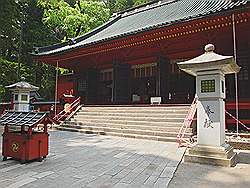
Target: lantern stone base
column 220, row 156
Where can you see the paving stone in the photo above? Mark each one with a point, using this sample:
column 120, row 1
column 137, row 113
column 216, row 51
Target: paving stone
column 127, row 162
column 125, row 185
column 115, row 170
column 159, row 169
column 130, row 177
column 43, row 174
column 6, row 183
column 173, row 163
column 6, row 169
column 168, row 172
column 140, row 179
column 119, row 155
column 26, row 175
column 78, row 160
column 21, row 183
column 6, row 162
column 101, row 181
column 162, row 182
column 122, row 174
column 151, row 180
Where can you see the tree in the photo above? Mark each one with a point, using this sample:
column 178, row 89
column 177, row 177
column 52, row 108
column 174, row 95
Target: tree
column 21, row 28
column 121, row 5
column 68, row 22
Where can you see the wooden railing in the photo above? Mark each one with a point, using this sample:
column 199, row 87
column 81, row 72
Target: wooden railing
column 68, row 110
column 181, row 140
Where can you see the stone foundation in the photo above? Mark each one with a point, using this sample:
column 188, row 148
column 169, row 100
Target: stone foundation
column 220, row 156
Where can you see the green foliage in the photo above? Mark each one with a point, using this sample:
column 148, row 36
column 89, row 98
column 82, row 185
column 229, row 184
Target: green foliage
column 67, row 22
column 7, row 74
column 9, row 27
column 21, row 28
column 121, row 5
column 140, row 2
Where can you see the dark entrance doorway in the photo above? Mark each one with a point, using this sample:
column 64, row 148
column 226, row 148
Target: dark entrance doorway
column 143, row 84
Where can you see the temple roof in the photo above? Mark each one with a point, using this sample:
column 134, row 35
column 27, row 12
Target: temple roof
column 144, row 18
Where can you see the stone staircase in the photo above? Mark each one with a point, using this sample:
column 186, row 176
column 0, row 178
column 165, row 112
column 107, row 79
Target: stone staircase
column 160, row 123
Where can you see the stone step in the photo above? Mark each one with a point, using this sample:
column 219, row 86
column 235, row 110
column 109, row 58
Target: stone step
column 121, row 126
column 124, row 118
column 152, row 122
column 129, row 131
column 148, row 123
column 135, row 107
column 157, row 138
column 153, row 111
column 129, row 114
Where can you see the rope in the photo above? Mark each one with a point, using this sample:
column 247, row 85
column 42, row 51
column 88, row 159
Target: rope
column 237, row 121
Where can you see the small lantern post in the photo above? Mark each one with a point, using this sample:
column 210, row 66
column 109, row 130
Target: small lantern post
column 210, row 69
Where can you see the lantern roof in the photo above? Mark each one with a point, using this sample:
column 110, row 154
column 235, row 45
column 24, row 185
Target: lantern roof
column 22, row 85
column 210, row 61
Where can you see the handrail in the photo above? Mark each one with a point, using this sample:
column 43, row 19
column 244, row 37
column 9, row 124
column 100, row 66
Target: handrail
column 248, row 128
column 73, row 112
column 69, row 109
column 187, row 123
column 62, row 112
column 65, row 112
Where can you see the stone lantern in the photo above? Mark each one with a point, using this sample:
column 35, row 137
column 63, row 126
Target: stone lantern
column 21, row 95
column 210, row 70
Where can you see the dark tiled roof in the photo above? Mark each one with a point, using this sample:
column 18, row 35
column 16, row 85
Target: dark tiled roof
column 29, row 119
column 146, row 18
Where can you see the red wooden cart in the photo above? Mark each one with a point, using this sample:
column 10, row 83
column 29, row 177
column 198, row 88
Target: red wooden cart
column 25, row 135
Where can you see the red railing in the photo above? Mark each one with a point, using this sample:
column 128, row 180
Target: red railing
column 68, row 110
column 181, row 140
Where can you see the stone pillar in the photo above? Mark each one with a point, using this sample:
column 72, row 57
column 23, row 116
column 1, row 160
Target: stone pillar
column 162, row 78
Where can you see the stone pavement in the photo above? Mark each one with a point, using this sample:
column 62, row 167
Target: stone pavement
column 204, row 176
column 79, row 160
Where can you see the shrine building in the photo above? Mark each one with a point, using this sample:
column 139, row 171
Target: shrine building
column 134, row 55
